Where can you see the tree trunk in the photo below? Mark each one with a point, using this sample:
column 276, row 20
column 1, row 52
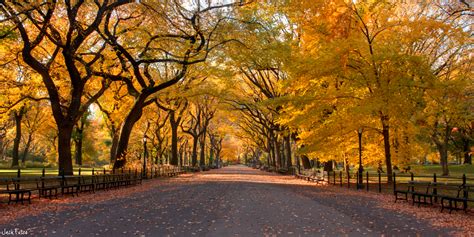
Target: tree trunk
column 133, row 116
column 79, row 136
column 78, row 151
column 306, row 162
column 386, row 141
column 174, row 139
column 467, row 150
column 277, row 152
column 27, row 148
column 443, row 157
column 113, row 147
column 64, row 148
column 16, row 142
column 272, row 150
column 185, row 154
column 211, row 156
column 194, row 152
column 287, row 141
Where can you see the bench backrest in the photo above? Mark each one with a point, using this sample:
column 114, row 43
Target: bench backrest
column 44, row 182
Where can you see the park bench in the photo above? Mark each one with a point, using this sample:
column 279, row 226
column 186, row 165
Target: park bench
column 422, row 193
column 13, row 187
column 70, row 185
column 113, row 181
column 101, row 182
column 123, row 180
column 465, row 194
column 416, row 189
column 180, row 172
column 87, row 184
column 283, row 171
column 448, row 194
column 311, row 178
column 135, row 179
column 48, row 187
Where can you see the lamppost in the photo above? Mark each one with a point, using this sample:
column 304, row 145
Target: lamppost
column 361, row 169
column 145, row 156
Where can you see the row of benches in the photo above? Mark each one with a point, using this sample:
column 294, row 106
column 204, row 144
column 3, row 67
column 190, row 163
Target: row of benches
column 20, row 189
column 450, row 195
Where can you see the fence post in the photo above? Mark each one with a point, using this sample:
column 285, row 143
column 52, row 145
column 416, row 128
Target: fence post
column 380, row 182
column 394, row 182
column 104, row 170
column 412, row 178
column 93, row 172
column 435, row 190
column 340, row 178
column 367, row 180
column 43, row 174
column 334, row 177
column 79, row 171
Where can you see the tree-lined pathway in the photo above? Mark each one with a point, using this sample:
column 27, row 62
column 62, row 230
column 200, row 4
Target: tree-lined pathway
column 233, row 201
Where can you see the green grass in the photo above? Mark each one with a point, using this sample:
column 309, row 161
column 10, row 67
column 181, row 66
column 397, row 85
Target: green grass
column 428, row 170
column 454, row 170
column 38, row 171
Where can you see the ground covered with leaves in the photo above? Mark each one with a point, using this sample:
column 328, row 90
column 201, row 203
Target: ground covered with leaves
column 234, row 201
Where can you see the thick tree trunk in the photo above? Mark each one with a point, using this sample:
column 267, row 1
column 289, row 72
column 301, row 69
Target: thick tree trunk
column 174, row 139
column 306, row 162
column 467, row 150
column 211, row 156
column 79, row 137
column 441, row 142
column 185, row 155
column 26, row 150
column 386, row 141
column 113, row 147
column 16, row 142
column 277, row 152
column 133, row 116
column 64, row 148
column 194, row 152
column 443, row 158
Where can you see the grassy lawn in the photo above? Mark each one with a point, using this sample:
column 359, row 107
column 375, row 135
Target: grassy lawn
column 38, row 171
column 454, row 170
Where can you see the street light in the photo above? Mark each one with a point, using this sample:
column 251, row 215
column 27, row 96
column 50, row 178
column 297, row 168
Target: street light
column 361, row 169
column 145, row 156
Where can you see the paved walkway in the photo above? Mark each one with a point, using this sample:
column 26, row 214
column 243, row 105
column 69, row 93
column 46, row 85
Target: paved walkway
column 233, row 201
